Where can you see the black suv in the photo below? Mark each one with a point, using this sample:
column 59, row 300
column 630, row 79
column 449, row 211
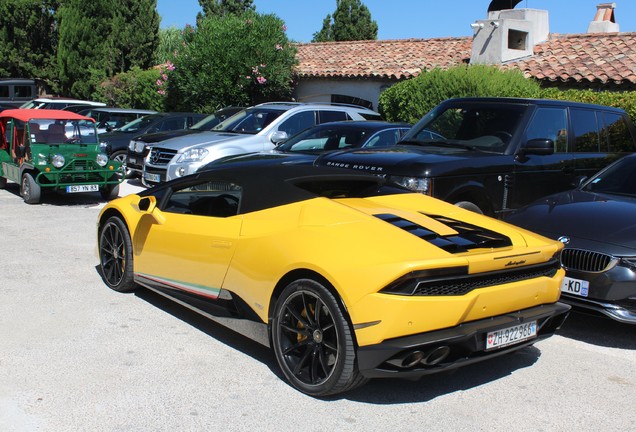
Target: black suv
column 116, row 142
column 492, row 155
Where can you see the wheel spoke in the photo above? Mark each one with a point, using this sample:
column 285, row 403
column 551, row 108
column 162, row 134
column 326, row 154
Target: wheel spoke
column 296, row 315
column 294, row 347
column 307, row 310
column 302, row 361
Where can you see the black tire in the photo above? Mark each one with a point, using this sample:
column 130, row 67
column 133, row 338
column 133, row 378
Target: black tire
column 109, row 192
column 29, row 189
column 3, row 182
column 312, row 340
column 116, row 255
column 120, row 156
column 467, row 205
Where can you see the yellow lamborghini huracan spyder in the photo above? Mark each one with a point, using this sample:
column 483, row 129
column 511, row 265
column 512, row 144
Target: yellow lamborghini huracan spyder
column 345, row 276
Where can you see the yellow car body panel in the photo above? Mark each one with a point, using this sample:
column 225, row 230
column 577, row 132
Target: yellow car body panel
column 187, row 251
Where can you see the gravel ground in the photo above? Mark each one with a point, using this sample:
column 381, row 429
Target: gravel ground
column 76, row 356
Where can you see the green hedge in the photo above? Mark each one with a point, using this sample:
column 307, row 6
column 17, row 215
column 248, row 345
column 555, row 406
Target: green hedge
column 409, row 100
column 133, row 89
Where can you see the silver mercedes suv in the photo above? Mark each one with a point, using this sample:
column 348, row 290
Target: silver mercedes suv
column 255, row 129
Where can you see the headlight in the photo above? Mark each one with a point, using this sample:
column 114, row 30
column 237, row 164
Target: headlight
column 58, row 161
column 630, row 262
column 193, row 155
column 417, row 184
column 101, row 159
column 42, row 159
column 131, row 145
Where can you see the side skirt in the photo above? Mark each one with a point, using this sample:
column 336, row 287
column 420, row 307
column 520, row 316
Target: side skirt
column 227, row 309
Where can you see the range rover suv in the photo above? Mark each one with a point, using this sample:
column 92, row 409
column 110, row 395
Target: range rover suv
column 255, row 129
column 492, row 155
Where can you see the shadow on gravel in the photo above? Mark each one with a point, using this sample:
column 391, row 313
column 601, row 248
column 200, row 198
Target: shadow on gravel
column 61, row 199
column 377, row 391
column 211, row 328
column 599, row 330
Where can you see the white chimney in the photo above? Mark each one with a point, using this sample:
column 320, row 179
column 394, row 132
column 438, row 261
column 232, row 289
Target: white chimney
column 508, row 35
column 604, row 21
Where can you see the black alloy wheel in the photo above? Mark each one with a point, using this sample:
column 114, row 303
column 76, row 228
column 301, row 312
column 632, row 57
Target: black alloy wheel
column 312, row 340
column 115, row 255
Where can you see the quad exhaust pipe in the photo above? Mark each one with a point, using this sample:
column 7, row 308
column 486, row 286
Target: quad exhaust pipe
column 430, row 358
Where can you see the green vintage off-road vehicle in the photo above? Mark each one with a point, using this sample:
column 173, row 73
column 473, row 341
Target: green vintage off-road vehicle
column 54, row 150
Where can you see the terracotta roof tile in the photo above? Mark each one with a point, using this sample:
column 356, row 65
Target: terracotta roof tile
column 585, row 58
column 393, row 59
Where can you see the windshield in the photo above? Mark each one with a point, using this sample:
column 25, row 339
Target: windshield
column 318, row 140
column 140, row 123
column 483, row 128
column 62, row 131
column 250, row 121
column 617, row 179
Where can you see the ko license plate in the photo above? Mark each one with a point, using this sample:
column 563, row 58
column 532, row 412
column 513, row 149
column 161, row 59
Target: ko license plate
column 152, row 177
column 82, row 188
column 511, row 335
column 575, row 286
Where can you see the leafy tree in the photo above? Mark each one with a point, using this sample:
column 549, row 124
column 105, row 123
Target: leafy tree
column 171, row 41
column 224, row 7
column 136, row 34
column 28, row 38
column 100, row 38
column 351, row 21
column 232, row 60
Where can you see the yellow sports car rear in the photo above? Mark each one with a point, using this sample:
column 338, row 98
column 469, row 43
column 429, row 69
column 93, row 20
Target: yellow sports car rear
column 344, row 276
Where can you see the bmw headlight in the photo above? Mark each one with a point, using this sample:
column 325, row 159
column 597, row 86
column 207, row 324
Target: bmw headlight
column 193, row 155
column 101, row 159
column 58, row 161
column 416, row 184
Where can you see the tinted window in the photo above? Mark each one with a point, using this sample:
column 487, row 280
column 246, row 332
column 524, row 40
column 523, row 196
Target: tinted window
column 385, row 138
column 4, row 91
column 619, row 179
column 23, row 91
column 585, row 129
column 616, row 133
column 484, row 127
column 298, row 122
column 550, row 123
column 210, row 198
column 171, row 124
column 249, row 121
column 331, row 116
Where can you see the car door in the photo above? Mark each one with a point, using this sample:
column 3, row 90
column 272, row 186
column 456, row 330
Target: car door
column 189, row 243
column 537, row 175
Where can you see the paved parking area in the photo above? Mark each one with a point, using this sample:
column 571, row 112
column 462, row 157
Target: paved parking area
column 76, row 356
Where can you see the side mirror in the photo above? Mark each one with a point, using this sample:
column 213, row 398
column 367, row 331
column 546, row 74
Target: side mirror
column 538, row 146
column 279, row 136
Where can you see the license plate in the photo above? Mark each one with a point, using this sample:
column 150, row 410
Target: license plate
column 132, row 160
column 82, row 188
column 152, row 177
column 575, row 286
column 511, row 335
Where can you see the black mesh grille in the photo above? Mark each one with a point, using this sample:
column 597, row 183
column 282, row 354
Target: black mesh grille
column 460, row 285
column 584, row 260
column 468, row 236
